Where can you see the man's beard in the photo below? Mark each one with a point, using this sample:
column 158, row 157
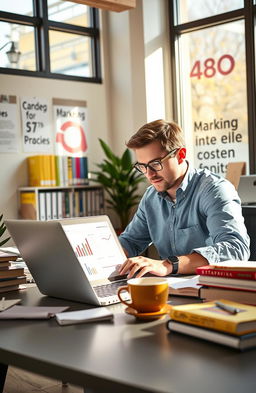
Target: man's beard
column 163, row 185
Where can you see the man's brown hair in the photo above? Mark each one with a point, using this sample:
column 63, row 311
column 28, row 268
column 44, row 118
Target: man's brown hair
column 169, row 134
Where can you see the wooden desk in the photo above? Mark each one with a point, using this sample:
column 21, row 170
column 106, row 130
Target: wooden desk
column 124, row 356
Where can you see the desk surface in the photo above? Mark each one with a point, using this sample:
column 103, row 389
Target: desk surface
column 123, row 356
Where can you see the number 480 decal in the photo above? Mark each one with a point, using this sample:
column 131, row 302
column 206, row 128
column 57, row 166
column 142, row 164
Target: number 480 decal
column 210, row 67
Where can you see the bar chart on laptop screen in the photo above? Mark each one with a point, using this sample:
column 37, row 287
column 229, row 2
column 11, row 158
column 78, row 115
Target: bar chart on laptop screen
column 96, row 249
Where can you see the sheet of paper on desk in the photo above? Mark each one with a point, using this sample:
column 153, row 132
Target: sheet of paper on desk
column 26, row 312
column 90, row 315
column 183, row 282
column 184, row 286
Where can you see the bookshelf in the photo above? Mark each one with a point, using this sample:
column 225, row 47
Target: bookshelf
column 49, row 203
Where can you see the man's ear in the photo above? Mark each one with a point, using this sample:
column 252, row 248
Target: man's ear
column 182, row 155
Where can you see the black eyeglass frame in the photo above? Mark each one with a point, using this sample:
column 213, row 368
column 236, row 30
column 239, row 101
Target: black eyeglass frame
column 158, row 161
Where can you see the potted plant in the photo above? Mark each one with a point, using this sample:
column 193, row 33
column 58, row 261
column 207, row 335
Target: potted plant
column 2, row 230
column 120, row 182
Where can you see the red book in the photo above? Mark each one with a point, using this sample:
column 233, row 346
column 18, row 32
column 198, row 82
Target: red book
column 226, row 272
column 78, row 170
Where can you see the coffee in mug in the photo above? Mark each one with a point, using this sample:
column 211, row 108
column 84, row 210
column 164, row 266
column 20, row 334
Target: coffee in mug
column 148, row 294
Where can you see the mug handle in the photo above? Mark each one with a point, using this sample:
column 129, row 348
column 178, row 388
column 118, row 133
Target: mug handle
column 122, row 289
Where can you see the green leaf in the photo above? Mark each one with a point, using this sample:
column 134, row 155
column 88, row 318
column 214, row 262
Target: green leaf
column 126, row 160
column 4, row 241
column 108, row 151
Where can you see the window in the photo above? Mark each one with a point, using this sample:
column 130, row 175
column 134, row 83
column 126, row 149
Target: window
column 49, row 38
column 214, row 80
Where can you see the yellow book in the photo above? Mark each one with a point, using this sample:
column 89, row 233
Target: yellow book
column 47, row 170
column 28, row 197
column 28, row 205
column 52, row 170
column 41, row 170
column 209, row 315
column 33, row 171
column 70, row 177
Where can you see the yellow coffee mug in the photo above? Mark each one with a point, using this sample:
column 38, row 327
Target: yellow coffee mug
column 148, row 294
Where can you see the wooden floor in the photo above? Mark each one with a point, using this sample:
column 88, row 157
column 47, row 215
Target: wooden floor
column 19, row 381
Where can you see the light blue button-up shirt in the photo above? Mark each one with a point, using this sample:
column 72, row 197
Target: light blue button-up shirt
column 205, row 218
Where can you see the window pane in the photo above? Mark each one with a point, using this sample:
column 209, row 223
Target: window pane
column 189, row 10
column 24, row 7
column 214, row 103
column 23, row 40
column 69, row 12
column 70, row 54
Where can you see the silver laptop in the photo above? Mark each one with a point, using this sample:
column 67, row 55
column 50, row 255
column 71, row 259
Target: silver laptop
column 75, row 259
column 247, row 190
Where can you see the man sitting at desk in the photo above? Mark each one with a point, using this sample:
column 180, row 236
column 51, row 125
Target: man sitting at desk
column 193, row 217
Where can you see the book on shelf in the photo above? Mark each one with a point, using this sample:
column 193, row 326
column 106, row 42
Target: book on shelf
column 213, row 293
column 70, row 171
column 28, row 205
column 78, row 170
column 55, row 203
column 209, row 315
column 242, row 342
column 226, row 282
column 11, row 272
column 42, row 206
column 35, row 171
column 7, row 256
column 50, row 170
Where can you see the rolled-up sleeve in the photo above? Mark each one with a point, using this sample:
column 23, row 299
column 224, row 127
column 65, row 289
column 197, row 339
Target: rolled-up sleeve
column 222, row 209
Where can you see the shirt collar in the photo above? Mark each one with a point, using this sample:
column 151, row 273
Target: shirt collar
column 182, row 188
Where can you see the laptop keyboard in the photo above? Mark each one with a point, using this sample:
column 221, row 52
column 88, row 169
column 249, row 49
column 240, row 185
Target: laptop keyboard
column 109, row 289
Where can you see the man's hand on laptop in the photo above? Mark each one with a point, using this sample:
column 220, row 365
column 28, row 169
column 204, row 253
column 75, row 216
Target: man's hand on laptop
column 142, row 265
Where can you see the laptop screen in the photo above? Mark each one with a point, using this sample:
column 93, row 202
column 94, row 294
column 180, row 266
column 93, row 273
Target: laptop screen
column 97, row 249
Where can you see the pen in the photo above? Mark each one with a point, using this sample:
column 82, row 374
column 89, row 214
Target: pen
column 226, row 307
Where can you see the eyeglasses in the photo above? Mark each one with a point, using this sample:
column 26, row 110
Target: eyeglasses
column 154, row 165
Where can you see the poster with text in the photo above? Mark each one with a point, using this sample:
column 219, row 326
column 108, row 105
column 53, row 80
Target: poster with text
column 70, row 119
column 35, row 113
column 9, row 127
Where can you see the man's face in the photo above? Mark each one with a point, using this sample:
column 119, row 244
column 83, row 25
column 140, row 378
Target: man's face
column 170, row 174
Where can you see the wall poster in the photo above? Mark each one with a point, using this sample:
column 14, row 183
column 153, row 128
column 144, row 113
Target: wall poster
column 71, row 125
column 9, row 127
column 36, row 126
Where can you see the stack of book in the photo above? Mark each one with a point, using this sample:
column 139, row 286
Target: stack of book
column 232, row 280
column 223, row 322
column 52, row 170
column 11, row 277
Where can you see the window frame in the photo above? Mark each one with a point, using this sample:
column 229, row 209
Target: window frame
column 42, row 25
column 248, row 14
